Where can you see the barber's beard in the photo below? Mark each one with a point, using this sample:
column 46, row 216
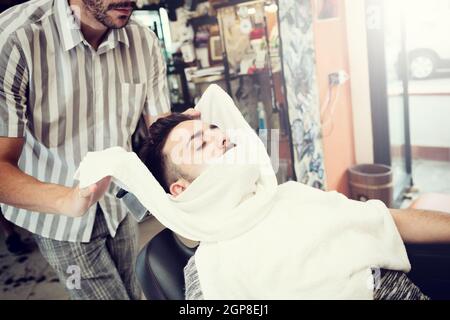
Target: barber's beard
column 100, row 12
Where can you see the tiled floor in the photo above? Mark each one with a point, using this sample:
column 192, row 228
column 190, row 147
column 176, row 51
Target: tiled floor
column 428, row 177
column 431, row 176
column 30, row 277
column 27, row 277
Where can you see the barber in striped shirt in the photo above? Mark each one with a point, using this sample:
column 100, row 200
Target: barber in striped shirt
column 75, row 76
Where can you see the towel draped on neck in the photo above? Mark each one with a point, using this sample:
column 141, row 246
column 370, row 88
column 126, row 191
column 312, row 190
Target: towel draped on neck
column 260, row 240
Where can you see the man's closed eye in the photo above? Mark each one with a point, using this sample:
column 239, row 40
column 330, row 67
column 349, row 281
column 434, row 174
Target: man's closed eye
column 204, row 143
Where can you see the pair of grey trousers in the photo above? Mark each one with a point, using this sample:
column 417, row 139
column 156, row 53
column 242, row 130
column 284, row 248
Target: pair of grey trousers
column 102, row 269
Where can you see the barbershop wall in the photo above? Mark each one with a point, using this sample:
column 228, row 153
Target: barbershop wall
column 337, row 129
column 299, row 65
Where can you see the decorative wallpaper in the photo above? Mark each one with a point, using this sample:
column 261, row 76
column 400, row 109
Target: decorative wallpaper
column 296, row 32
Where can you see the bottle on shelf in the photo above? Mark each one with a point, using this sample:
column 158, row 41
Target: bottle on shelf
column 262, row 122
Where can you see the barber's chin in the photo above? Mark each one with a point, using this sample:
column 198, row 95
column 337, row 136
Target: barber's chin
column 119, row 24
column 118, row 21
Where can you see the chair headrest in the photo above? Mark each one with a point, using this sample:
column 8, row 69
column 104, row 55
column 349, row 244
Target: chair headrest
column 160, row 267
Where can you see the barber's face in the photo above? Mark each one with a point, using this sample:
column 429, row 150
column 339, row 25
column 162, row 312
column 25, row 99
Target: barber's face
column 112, row 14
column 192, row 144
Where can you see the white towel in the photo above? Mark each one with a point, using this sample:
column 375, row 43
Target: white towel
column 260, row 240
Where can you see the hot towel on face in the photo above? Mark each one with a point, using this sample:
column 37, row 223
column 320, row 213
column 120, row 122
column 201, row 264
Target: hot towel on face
column 260, row 240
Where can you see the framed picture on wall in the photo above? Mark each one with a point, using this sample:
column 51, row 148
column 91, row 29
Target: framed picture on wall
column 215, row 48
column 327, row 9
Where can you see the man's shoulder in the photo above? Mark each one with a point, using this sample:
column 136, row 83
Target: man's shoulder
column 22, row 16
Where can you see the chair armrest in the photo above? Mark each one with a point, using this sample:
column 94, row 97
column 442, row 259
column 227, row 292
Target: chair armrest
column 430, row 268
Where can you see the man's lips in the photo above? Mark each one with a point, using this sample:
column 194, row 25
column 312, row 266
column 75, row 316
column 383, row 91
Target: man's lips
column 124, row 10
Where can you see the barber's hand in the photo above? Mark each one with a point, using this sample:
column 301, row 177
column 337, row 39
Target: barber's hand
column 78, row 201
column 192, row 112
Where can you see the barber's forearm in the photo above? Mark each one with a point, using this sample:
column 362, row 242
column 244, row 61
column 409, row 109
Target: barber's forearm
column 422, row 226
column 23, row 191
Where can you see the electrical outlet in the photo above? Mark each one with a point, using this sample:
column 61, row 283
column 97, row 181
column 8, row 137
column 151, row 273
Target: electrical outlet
column 338, row 78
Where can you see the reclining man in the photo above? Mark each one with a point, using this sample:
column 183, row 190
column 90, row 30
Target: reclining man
column 260, row 240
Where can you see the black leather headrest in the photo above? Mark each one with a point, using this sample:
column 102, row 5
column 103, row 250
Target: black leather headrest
column 160, row 266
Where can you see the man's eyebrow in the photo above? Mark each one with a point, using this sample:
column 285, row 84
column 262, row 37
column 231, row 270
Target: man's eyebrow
column 200, row 132
column 195, row 135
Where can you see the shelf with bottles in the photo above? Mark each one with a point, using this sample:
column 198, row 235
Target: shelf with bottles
column 242, row 40
column 253, row 72
column 250, row 37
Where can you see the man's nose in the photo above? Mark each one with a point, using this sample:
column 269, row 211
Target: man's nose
column 225, row 141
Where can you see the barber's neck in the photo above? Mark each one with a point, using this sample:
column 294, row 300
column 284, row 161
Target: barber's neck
column 92, row 30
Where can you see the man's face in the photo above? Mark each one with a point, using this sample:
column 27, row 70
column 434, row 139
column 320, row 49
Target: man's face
column 112, row 14
column 191, row 145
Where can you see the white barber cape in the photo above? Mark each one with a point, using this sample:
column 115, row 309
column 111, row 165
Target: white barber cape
column 259, row 240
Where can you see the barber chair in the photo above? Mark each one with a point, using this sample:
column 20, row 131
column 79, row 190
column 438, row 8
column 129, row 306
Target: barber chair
column 161, row 262
column 431, row 263
column 430, row 269
column 160, row 266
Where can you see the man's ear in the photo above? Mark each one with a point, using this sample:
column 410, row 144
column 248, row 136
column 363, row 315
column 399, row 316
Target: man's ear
column 178, row 187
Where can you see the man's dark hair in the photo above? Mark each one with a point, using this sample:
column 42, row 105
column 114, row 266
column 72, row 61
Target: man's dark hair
column 151, row 153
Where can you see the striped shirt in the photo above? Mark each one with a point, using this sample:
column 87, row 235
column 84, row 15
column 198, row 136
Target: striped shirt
column 66, row 99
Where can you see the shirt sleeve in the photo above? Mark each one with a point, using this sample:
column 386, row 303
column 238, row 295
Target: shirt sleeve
column 13, row 89
column 157, row 101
